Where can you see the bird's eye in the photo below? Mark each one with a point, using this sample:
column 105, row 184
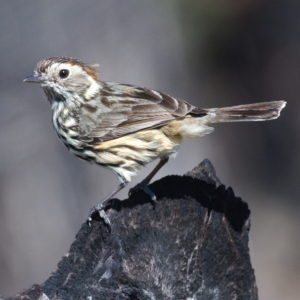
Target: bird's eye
column 64, row 73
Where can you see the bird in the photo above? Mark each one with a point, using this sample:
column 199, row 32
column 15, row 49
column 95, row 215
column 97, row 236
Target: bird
column 124, row 127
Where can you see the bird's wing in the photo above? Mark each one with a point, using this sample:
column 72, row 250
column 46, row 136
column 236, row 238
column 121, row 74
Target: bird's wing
column 125, row 109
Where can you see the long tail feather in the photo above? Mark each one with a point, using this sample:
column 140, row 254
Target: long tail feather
column 249, row 112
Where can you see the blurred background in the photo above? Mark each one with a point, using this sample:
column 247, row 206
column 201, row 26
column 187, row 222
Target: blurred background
column 211, row 53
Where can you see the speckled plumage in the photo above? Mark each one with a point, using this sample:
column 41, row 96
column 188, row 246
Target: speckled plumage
column 123, row 127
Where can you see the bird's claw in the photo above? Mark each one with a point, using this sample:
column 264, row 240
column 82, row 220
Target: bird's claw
column 143, row 186
column 100, row 209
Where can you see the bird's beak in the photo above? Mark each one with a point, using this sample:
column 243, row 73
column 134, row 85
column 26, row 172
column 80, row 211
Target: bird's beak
column 36, row 78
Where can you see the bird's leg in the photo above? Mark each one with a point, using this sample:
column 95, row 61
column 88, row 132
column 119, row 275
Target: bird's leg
column 101, row 205
column 143, row 185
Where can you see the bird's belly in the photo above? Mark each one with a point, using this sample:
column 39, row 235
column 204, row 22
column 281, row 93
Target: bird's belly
column 128, row 154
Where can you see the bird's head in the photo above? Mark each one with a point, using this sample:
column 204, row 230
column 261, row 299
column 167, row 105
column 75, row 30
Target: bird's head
column 65, row 78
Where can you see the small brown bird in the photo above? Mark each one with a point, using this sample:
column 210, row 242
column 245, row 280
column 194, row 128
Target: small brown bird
column 124, row 127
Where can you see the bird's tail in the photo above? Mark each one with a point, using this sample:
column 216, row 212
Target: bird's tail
column 196, row 124
column 249, row 112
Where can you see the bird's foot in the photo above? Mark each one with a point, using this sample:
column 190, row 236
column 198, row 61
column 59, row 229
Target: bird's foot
column 143, row 186
column 99, row 208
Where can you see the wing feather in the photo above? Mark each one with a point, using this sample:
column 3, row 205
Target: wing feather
column 125, row 109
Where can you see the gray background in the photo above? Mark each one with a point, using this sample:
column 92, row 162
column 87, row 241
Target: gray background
column 210, row 53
